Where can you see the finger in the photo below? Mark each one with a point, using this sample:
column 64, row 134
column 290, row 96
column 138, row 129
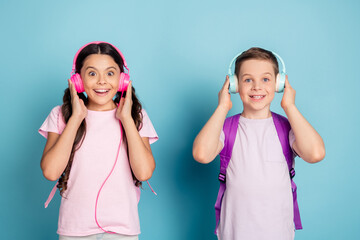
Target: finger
column 121, row 103
column 227, row 82
column 119, row 106
column 69, row 84
column 287, row 84
column 226, row 85
column 82, row 102
column 72, row 89
column 129, row 91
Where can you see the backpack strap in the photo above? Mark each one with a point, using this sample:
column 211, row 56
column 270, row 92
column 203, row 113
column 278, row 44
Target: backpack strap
column 230, row 130
column 51, row 195
column 283, row 127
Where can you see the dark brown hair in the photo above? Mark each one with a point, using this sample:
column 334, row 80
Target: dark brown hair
column 101, row 48
column 256, row 53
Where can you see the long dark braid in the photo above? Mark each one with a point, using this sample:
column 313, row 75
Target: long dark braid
column 66, row 110
column 137, row 116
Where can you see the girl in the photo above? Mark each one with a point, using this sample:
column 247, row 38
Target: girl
column 100, row 167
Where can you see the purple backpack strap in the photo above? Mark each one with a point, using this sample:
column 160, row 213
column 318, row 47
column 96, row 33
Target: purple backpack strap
column 230, row 130
column 283, row 127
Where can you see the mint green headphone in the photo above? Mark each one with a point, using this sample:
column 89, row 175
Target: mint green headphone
column 279, row 82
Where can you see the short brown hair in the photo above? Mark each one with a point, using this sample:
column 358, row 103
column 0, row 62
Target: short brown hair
column 256, row 53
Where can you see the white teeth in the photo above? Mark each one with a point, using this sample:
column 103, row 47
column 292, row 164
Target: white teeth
column 257, row 97
column 101, row 91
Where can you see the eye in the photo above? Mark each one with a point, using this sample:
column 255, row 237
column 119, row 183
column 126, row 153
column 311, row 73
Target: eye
column 92, row 74
column 266, row 80
column 247, row 80
column 110, row 73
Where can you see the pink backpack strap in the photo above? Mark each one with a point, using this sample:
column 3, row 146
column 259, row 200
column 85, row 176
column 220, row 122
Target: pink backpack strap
column 283, row 127
column 51, row 195
column 151, row 188
column 230, row 129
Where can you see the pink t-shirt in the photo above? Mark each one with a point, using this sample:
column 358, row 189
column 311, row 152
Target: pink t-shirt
column 117, row 208
column 257, row 203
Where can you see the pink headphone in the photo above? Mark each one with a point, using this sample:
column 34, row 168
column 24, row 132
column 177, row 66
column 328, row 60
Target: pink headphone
column 76, row 78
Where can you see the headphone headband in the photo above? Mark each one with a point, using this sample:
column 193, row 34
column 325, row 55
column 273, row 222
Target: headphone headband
column 281, row 60
column 98, row 42
column 232, row 61
column 275, row 54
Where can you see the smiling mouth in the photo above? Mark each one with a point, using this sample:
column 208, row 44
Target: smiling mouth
column 101, row 90
column 257, row 97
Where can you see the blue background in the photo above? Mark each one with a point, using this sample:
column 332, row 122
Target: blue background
column 178, row 54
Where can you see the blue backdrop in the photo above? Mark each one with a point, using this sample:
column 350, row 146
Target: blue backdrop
column 178, row 54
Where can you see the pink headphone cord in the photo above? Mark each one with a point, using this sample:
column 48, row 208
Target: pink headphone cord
column 97, row 197
column 117, row 155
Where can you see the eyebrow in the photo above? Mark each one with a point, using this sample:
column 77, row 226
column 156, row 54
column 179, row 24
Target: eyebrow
column 245, row 74
column 97, row 69
column 248, row 74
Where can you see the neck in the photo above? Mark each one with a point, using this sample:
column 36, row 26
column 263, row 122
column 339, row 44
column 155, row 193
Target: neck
column 96, row 107
column 256, row 114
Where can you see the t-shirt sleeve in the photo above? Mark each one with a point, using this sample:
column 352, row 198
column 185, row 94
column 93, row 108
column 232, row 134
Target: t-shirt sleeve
column 147, row 129
column 53, row 123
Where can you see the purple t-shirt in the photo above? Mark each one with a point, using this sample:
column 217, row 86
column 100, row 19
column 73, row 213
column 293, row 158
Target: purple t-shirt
column 117, row 205
column 257, row 203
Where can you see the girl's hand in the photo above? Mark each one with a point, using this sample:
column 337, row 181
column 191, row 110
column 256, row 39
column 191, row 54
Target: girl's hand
column 289, row 95
column 79, row 111
column 124, row 109
column 224, row 96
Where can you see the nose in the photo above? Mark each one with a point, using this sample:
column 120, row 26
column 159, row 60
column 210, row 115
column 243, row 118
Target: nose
column 256, row 85
column 101, row 79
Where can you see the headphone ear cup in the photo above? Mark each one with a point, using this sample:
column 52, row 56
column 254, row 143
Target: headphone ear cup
column 123, row 82
column 280, row 82
column 234, row 84
column 78, row 83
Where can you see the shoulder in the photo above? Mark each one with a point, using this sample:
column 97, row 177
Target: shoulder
column 55, row 113
column 281, row 121
column 56, row 110
column 279, row 116
column 147, row 129
column 145, row 117
column 231, row 121
column 53, row 123
column 234, row 116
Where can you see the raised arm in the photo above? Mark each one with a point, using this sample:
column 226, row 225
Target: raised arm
column 308, row 143
column 140, row 156
column 58, row 147
column 207, row 144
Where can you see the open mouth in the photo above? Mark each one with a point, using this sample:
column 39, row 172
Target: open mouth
column 257, row 97
column 101, row 92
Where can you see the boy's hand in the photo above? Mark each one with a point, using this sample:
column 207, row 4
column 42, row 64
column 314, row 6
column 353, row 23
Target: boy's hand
column 289, row 95
column 224, row 96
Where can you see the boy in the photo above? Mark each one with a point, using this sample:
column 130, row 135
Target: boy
column 257, row 203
